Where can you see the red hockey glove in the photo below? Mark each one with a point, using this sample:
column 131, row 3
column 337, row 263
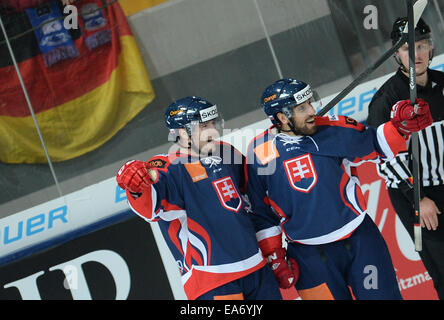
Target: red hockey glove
column 285, row 271
column 134, row 176
column 404, row 118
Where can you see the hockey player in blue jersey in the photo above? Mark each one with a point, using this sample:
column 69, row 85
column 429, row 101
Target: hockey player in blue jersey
column 302, row 182
column 195, row 194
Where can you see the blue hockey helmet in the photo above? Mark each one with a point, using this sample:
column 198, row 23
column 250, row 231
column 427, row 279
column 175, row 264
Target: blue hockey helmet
column 186, row 111
column 282, row 96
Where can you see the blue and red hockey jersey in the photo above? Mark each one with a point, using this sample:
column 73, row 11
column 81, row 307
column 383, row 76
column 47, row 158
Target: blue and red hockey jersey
column 306, row 186
column 203, row 217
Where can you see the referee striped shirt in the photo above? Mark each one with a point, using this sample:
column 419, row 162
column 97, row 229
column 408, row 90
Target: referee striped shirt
column 431, row 160
column 397, row 172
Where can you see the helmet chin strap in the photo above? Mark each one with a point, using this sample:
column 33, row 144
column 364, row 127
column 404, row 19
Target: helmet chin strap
column 196, row 150
column 292, row 128
column 192, row 147
column 287, row 113
column 187, row 145
column 401, row 66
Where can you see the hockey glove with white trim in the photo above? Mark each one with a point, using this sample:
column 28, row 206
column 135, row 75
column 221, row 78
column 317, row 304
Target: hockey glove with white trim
column 406, row 121
column 135, row 176
column 286, row 271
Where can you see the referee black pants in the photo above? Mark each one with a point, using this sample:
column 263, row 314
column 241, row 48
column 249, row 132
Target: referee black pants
column 432, row 254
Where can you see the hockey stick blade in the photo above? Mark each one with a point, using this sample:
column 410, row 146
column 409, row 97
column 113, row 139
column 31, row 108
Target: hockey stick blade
column 418, row 237
column 418, row 9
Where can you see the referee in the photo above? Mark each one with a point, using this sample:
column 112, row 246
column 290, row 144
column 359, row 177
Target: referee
column 397, row 173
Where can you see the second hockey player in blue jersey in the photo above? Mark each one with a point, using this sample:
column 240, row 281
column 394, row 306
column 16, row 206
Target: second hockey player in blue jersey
column 302, row 182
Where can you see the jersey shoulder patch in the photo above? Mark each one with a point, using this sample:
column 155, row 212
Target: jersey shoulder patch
column 266, row 152
column 339, row 121
column 196, row 171
column 264, row 148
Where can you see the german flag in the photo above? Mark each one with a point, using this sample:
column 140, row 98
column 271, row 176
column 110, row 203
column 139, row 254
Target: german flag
column 80, row 102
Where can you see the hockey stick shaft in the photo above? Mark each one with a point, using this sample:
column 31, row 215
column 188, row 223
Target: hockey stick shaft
column 362, row 76
column 414, row 137
column 418, row 8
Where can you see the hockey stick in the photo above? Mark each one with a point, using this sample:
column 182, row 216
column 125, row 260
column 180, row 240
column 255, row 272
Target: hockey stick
column 418, row 8
column 414, row 138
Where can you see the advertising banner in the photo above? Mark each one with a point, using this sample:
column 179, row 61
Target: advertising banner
column 413, row 279
column 118, row 262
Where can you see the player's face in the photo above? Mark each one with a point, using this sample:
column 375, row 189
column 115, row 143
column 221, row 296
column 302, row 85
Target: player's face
column 203, row 137
column 303, row 118
column 422, row 55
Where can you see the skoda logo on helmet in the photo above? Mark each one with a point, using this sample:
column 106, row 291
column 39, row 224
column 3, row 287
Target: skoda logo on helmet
column 303, row 95
column 208, row 114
